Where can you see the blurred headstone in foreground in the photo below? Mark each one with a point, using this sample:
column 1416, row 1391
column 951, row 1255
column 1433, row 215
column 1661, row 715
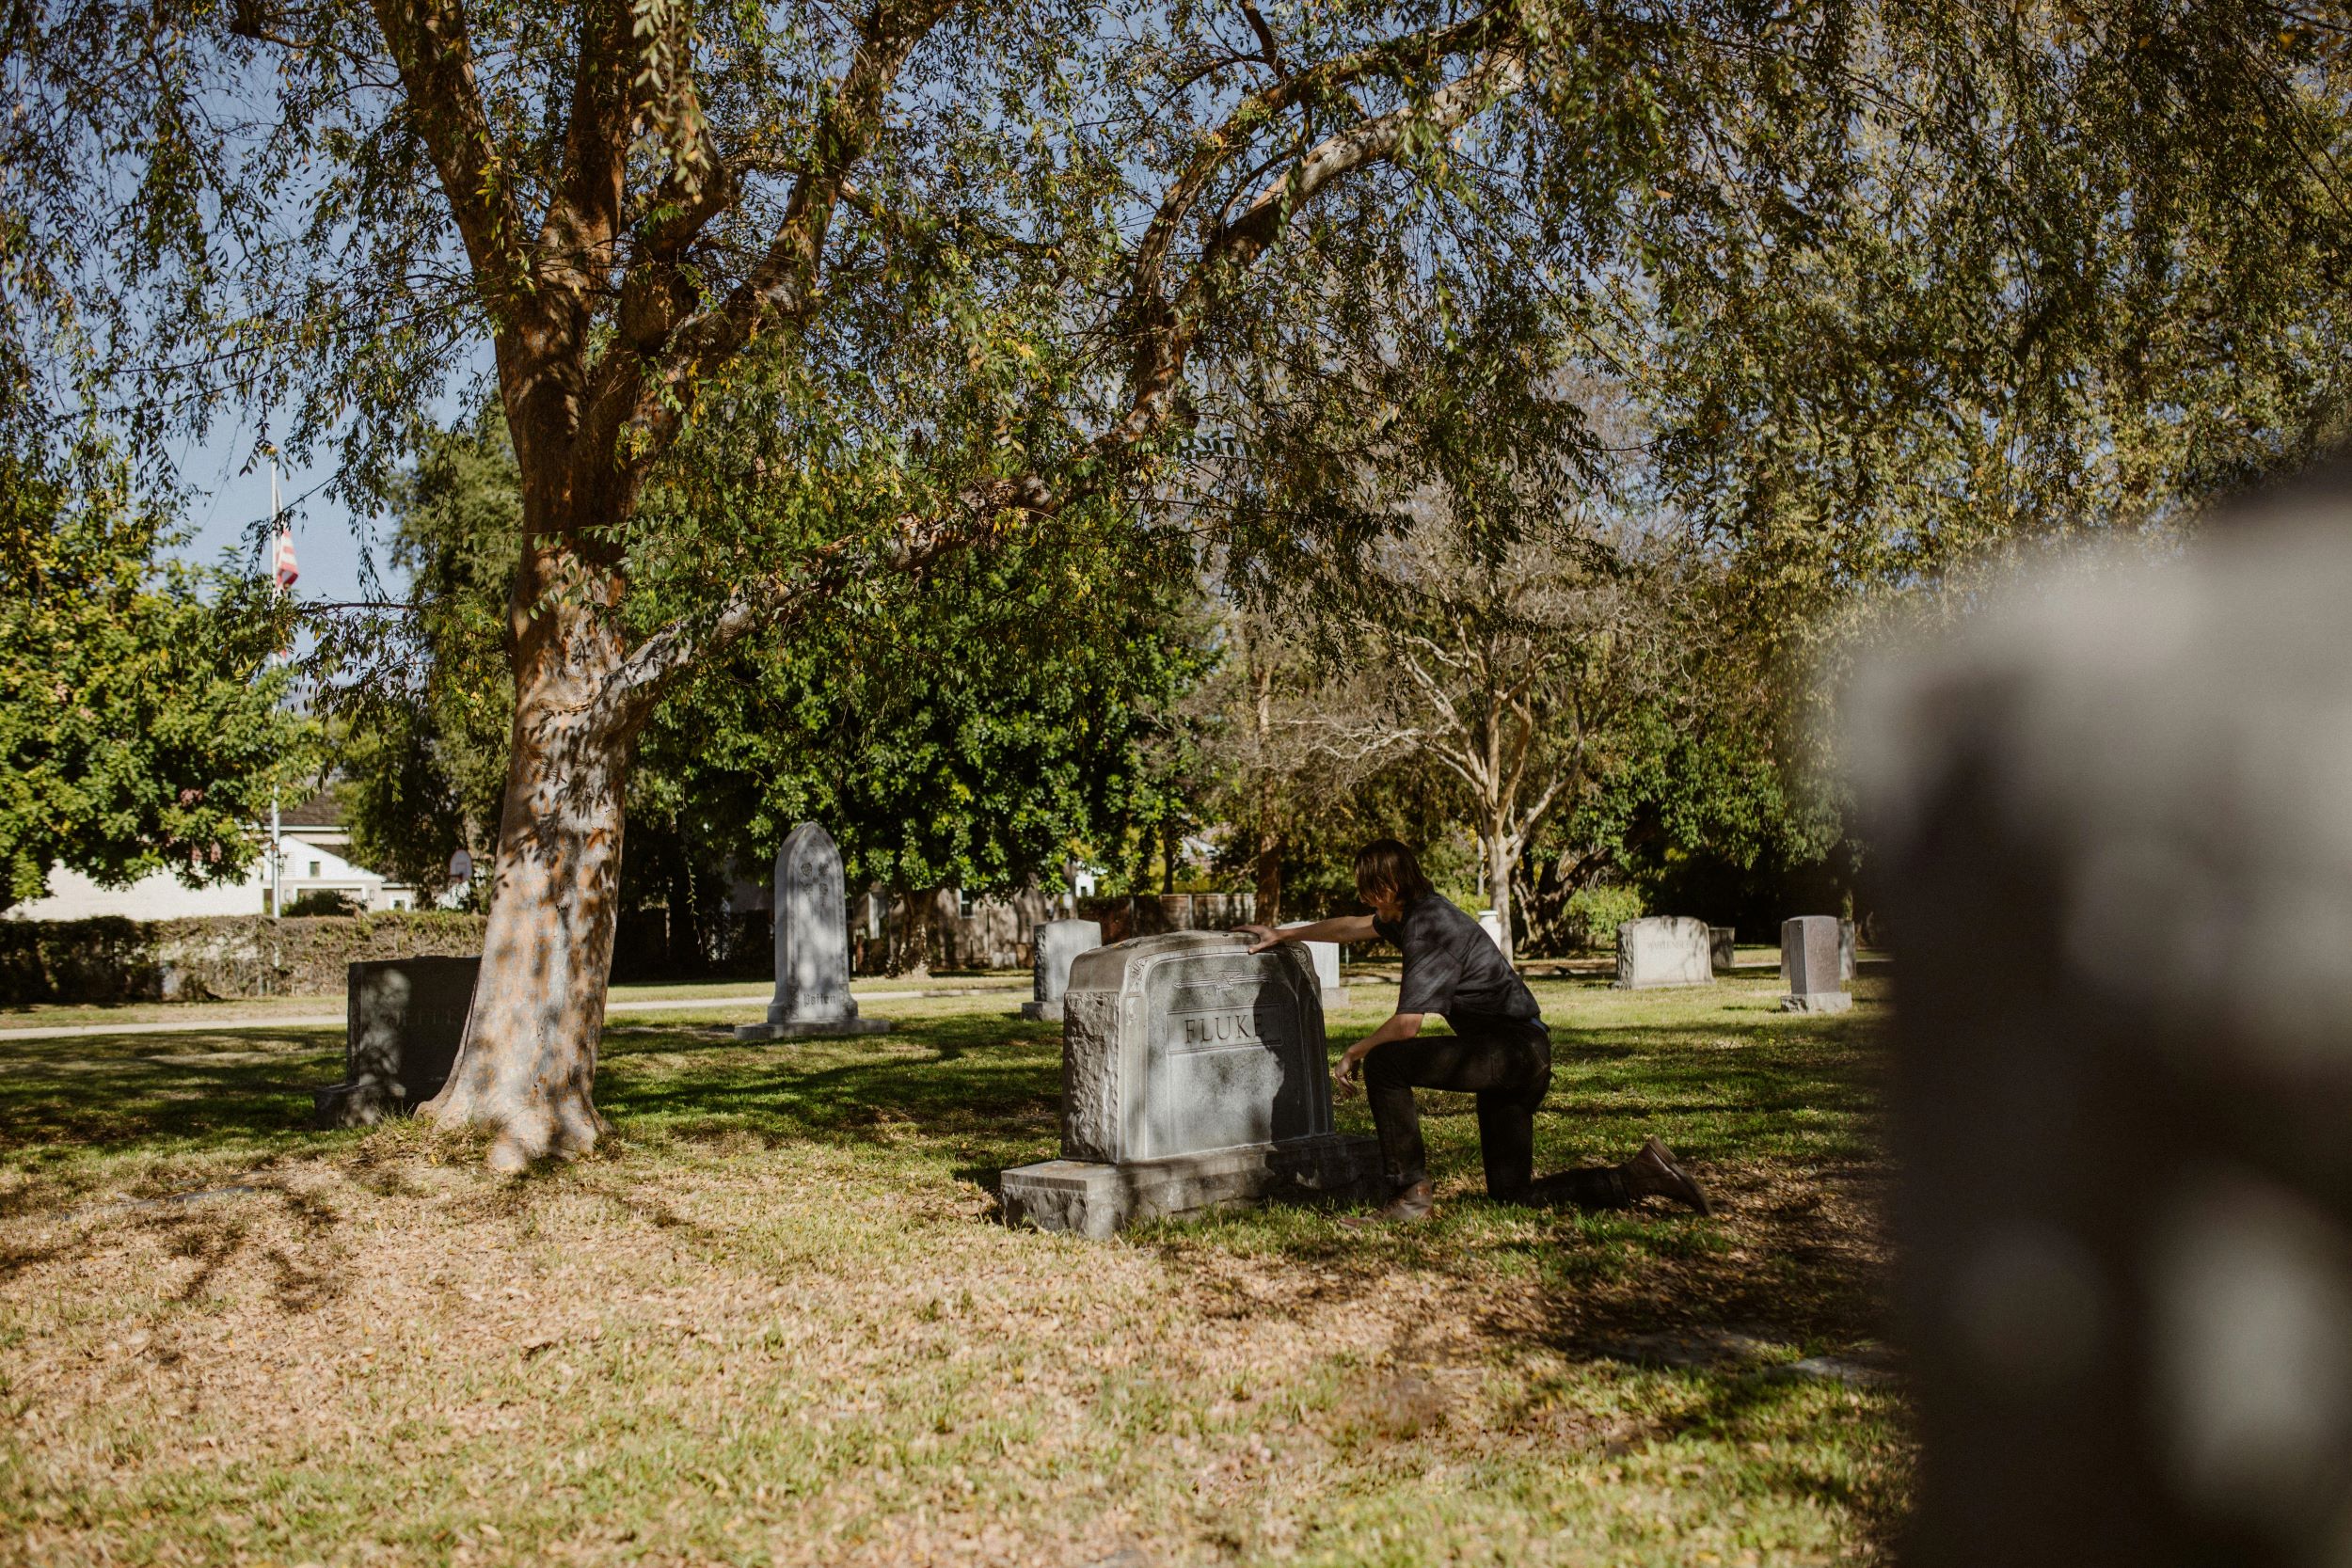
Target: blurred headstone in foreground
column 2113, row 819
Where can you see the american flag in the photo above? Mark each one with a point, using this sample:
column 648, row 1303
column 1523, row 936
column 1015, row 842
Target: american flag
column 283, row 561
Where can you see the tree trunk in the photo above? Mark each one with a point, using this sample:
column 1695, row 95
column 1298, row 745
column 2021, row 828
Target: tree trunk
column 1269, row 908
column 913, row 957
column 1500, row 862
column 527, row 1068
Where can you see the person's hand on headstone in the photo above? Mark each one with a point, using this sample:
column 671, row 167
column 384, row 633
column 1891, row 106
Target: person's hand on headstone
column 1261, row 937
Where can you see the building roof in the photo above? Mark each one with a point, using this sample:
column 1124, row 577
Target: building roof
column 322, row 810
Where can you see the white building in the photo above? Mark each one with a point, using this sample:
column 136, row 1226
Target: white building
column 313, row 852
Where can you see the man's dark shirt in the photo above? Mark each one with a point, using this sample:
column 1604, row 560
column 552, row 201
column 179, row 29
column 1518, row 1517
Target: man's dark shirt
column 1453, row 969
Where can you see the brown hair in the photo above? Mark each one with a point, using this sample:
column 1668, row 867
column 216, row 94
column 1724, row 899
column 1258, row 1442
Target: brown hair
column 1389, row 865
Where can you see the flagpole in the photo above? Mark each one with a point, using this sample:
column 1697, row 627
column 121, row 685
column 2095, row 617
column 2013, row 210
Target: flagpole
column 277, row 837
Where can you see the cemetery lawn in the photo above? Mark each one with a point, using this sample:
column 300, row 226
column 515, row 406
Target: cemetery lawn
column 775, row 1321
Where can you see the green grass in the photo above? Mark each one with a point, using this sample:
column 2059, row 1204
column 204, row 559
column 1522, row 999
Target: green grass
column 776, row 1319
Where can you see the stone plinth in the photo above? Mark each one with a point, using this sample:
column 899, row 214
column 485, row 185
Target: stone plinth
column 1848, row 943
column 1812, row 965
column 1056, row 944
column 1662, row 950
column 1326, row 958
column 1194, row 1075
column 404, row 1019
column 812, row 946
column 1722, row 947
column 2110, row 838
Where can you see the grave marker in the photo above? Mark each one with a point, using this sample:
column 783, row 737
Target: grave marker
column 1665, row 950
column 1195, row 1075
column 812, row 946
column 1325, row 957
column 1812, row 965
column 1054, row 945
column 404, row 1018
column 2107, row 821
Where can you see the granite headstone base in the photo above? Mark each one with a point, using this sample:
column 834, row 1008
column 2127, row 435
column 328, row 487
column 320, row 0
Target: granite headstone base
column 1050, row 1011
column 1816, row 1002
column 1086, row 1199
column 811, row 1028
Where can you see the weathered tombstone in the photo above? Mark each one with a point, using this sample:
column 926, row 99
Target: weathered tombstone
column 1846, row 945
column 812, row 946
column 1722, row 947
column 403, row 1020
column 1054, row 945
column 1491, row 923
column 1194, row 1076
column 1325, row 957
column 2108, row 824
column 1665, row 950
column 1811, row 965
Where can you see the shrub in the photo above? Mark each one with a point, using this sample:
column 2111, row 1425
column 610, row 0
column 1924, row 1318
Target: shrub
column 1595, row 913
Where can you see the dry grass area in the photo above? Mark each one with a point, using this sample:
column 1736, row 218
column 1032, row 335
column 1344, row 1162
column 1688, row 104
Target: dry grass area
column 776, row 1321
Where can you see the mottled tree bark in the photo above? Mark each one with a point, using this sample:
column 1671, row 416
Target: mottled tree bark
column 525, row 1069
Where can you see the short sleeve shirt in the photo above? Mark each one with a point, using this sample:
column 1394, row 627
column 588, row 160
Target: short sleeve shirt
column 1452, row 967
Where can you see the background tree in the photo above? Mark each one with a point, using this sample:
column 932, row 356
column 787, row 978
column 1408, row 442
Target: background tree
column 143, row 725
column 1507, row 674
column 428, row 718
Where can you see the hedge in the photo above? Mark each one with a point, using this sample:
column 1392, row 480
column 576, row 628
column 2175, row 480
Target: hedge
column 113, row 960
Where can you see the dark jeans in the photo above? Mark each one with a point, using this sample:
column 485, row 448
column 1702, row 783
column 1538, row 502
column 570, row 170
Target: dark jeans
column 1506, row 1065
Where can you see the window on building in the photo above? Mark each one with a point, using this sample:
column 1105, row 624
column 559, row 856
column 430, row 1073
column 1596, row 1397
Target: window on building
column 963, row 905
column 314, row 868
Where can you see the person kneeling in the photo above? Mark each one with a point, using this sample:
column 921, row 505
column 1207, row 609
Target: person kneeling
column 1500, row 1050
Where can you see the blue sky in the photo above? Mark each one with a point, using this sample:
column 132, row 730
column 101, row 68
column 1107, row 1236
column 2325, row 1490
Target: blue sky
column 226, row 510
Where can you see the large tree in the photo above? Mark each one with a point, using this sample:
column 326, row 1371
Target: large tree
column 1051, row 217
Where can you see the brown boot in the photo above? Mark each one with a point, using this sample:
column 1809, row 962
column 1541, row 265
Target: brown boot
column 1653, row 1173
column 1413, row 1203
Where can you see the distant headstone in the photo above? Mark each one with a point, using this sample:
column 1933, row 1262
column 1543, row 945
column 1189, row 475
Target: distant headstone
column 1491, row 922
column 2107, row 824
column 1722, row 947
column 1194, row 1076
column 1845, row 945
column 1812, row 965
column 1326, row 955
column 403, row 1021
column 812, row 946
column 1056, row 945
column 1665, row 950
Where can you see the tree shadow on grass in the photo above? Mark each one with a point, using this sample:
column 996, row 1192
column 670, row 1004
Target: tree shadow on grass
column 192, row 1093
column 975, row 1085
column 1782, row 1124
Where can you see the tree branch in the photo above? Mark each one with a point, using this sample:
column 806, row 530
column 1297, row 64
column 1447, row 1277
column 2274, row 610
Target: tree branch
column 1166, row 328
column 428, row 42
